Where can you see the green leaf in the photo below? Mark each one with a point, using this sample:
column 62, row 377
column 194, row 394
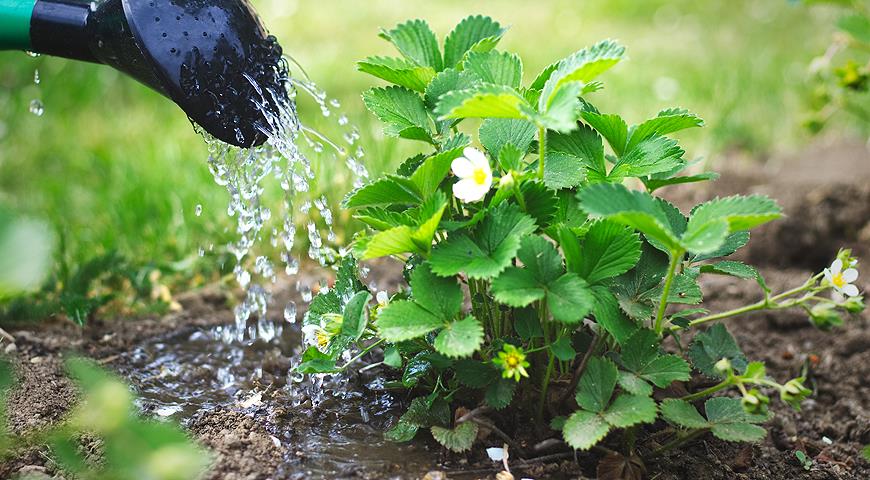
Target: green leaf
column 652, row 183
column 429, row 175
column 585, row 145
column 401, row 432
column 628, row 410
column 741, row 213
column 460, row 338
column 427, row 411
column 563, row 350
column 475, row 374
column 732, row 243
column 582, row 66
column 416, row 41
column 584, row 429
column 475, row 33
column 527, row 324
column 382, row 219
column 563, row 110
column 449, row 80
column 403, row 320
column 510, row 158
column 406, row 238
column 390, row 190
column 417, row 367
column 402, row 110
column 541, row 258
column 597, row 384
column 569, row 298
column 856, row 25
column 517, row 287
column 392, row 357
column 641, row 355
column 398, row 71
column 609, row 249
column 500, row 393
column 653, row 155
column 489, row 249
column 495, row 133
column 736, row 269
column 563, row 171
column 314, row 361
column 484, row 101
column 730, row 422
column 667, row 121
column 609, row 315
column 499, row 68
column 636, row 289
column 441, row 296
column 612, row 127
column 458, row 439
column 682, row 413
column 713, row 345
column 355, row 318
column 633, row 208
column 631, row 383
column 541, row 202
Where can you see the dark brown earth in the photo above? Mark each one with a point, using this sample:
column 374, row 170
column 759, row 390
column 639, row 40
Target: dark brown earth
column 826, row 196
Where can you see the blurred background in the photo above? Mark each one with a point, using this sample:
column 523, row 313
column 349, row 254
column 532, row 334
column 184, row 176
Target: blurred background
column 116, row 171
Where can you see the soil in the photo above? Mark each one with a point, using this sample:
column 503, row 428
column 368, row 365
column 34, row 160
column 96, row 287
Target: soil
column 825, row 193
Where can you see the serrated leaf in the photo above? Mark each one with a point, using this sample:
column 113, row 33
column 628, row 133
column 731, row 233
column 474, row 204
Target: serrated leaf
column 611, row 126
column 527, row 325
column 484, row 101
column 510, row 158
column 582, row 66
column 408, row 238
column 500, row 393
column 517, row 287
column 609, row 249
column 383, row 219
column 563, row 109
column 732, row 243
column 495, row 133
column 404, row 320
column 731, row 423
column 355, row 318
column 441, row 296
column 563, row 171
column 459, row 439
column 398, row 71
column 586, row 146
column 628, row 410
column 449, row 80
column 569, row 298
column 609, row 315
column 667, row 121
column 474, row 33
column 713, row 345
column 641, row 355
column 498, row 68
column 736, row 269
column 429, row 175
column 314, row 361
column 402, row 110
column 741, row 212
column 653, row 155
column 401, row 432
column 596, row 385
column 540, row 202
column 390, row 190
column 416, row 41
column 584, row 429
column 427, row 411
column 739, row 432
column 682, row 413
column 633, row 208
column 474, row 374
column 652, row 183
column 634, row 289
column 460, row 338
column 631, row 383
column 541, row 258
column 563, row 350
column 489, row 249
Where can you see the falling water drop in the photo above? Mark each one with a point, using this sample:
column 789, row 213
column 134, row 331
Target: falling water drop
column 36, row 78
column 37, row 108
column 198, row 210
column 290, row 312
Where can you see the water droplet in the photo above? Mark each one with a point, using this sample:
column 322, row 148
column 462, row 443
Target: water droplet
column 198, row 210
column 37, row 108
column 32, row 54
column 36, row 78
column 290, row 312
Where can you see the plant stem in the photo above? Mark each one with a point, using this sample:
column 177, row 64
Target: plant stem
column 680, row 440
column 542, row 150
column 545, row 384
column 666, row 291
column 709, row 391
column 363, row 352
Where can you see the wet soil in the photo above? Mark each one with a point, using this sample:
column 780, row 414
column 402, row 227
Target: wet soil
column 239, row 401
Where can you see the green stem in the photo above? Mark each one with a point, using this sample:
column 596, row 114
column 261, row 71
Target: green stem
column 363, row 352
column 767, row 303
column 680, row 440
column 666, row 291
column 709, row 391
column 542, row 150
column 545, row 384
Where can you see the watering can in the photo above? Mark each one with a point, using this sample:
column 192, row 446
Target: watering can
column 211, row 57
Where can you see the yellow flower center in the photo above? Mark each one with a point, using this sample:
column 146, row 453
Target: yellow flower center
column 322, row 339
column 838, row 280
column 512, row 361
column 480, row 176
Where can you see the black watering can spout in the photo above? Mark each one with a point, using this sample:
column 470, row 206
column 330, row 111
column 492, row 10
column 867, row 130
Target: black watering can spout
column 211, row 57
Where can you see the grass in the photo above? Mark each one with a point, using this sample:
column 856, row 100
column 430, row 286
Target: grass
column 114, row 166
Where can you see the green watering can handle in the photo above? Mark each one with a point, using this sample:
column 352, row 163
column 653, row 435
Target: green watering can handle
column 15, row 24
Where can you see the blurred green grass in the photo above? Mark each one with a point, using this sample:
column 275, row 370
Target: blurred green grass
column 115, row 166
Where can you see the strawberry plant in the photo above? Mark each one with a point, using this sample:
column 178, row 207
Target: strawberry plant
column 544, row 275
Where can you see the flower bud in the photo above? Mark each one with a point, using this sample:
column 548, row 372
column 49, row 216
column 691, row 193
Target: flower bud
column 824, row 316
column 853, row 305
column 507, row 180
column 794, row 392
column 755, row 402
column 723, row 366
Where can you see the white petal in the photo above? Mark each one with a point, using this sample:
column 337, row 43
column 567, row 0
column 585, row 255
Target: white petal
column 851, row 290
column 477, row 158
column 850, row 275
column 495, row 454
column 382, row 297
column 837, row 266
column 462, row 167
column 828, row 276
column 468, row 191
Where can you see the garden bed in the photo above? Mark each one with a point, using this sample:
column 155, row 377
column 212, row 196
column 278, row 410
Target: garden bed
column 299, row 433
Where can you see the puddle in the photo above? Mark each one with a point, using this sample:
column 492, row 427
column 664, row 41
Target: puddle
column 331, row 427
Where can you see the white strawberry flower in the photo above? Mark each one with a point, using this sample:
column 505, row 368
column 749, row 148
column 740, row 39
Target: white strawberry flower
column 475, row 176
column 841, row 279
